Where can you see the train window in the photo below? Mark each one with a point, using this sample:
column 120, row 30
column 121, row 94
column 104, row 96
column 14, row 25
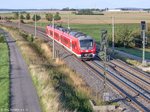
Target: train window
column 79, row 34
column 64, row 30
column 86, row 44
column 61, row 29
column 73, row 33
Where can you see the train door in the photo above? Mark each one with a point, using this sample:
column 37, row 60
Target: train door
column 60, row 33
column 56, row 36
column 75, row 46
column 71, row 44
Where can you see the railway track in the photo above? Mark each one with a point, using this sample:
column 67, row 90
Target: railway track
column 134, row 77
column 122, row 86
column 119, row 76
column 140, row 74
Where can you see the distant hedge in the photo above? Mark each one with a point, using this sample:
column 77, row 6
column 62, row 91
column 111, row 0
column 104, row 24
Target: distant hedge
column 87, row 12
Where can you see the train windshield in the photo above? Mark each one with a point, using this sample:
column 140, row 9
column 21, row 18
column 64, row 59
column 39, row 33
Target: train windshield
column 86, row 44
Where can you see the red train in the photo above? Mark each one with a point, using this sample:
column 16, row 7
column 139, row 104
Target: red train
column 78, row 43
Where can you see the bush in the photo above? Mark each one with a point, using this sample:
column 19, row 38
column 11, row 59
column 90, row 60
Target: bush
column 71, row 98
column 24, row 35
column 38, row 17
column 22, row 21
column 57, row 16
column 29, row 37
column 2, row 40
column 49, row 17
column 28, row 16
column 16, row 15
column 22, row 17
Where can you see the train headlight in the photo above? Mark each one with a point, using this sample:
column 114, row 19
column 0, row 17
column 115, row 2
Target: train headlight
column 85, row 55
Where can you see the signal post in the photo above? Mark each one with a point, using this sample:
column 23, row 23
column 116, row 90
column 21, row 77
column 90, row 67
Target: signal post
column 143, row 30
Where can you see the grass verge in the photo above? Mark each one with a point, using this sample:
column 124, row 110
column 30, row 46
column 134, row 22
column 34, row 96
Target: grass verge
column 136, row 52
column 4, row 75
column 127, row 60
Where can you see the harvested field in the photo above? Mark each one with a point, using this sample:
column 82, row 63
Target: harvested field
column 120, row 17
column 107, row 18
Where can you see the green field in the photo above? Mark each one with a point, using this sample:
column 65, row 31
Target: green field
column 136, row 52
column 4, row 76
column 94, row 30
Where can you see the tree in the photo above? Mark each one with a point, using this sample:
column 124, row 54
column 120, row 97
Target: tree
column 28, row 16
column 37, row 17
column 125, row 37
column 49, row 17
column 22, row 17
column 57, row 16
column 16, row 15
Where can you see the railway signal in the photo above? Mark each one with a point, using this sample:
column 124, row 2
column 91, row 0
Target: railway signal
column 103, row 56
column 113, row 34
column 103, row 45
column 143, row 25
column 143, row 29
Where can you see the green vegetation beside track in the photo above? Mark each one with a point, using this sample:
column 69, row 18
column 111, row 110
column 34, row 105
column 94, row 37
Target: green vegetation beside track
column 4, row 75
column 136, row 52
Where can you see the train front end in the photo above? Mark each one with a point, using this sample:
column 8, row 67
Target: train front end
column 87, row 48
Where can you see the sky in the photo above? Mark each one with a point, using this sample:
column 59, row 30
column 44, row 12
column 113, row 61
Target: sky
column 59, row 4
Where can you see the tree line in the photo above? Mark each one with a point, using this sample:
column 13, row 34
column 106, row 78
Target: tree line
column 27, row 16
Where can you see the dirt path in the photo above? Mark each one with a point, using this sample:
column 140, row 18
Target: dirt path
column 23, row 93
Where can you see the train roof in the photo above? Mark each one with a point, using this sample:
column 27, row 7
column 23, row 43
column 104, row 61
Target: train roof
column 85, row 38
column 80, row 35
column 60, row 28
column 73, row 33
